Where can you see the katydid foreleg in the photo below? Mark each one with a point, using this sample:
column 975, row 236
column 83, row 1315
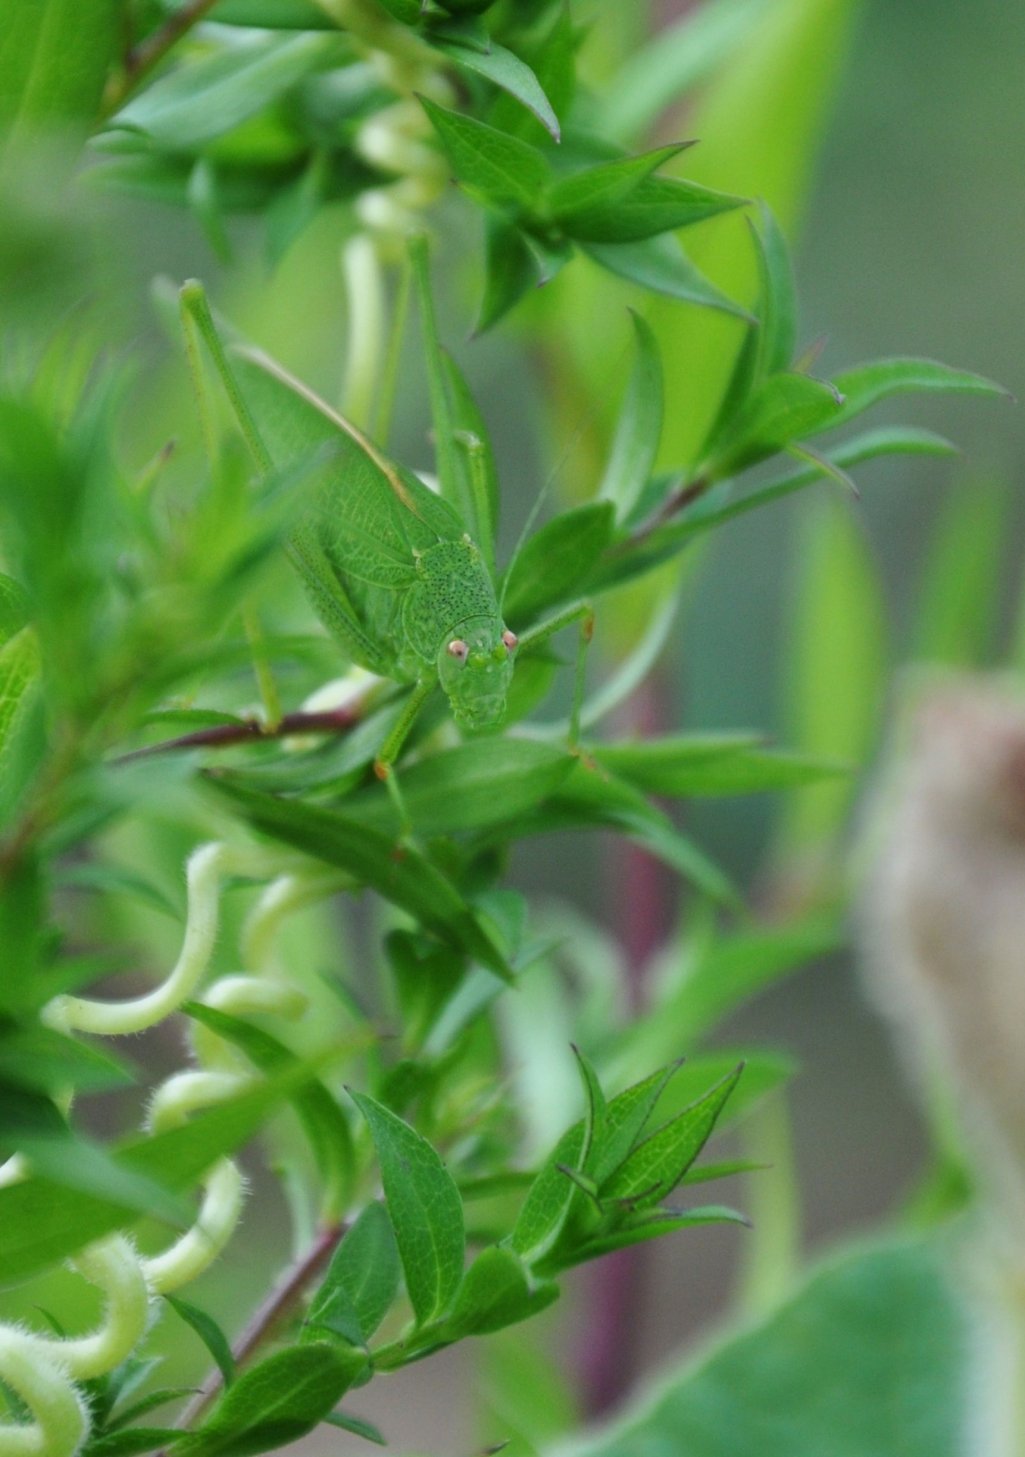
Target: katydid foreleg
column 583, row 613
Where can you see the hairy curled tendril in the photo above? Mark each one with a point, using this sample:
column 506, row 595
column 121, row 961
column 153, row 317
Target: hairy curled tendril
column 43, row 1370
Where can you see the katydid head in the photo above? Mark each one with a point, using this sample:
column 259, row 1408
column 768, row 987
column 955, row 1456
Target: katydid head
column 475, row 669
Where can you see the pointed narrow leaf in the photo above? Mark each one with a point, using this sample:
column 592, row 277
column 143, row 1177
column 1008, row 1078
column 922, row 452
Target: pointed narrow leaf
column 325, row 1125
column 603, row 185
column 472, row 786
column 595, row 1110
column 785, row 408
column 657, row 1165
column 625, row 1119
column 503, row 69
column 408, row 880
column 424, row 1206
column 275, row 1402
column 53, row 66
column 867, row 384
column 777, row 310
column 511, row 270
column 361, row 1281
column 496, row 1292
column 654, row 1226
column 697, row 766
column 501, row 168
column 639, row 427
column 196, row 103
column 548, row 1201
column 131, row 1440
column 41, row 1223
column 359, row 1427
column 209, row 1332
column 657, row 205
column 660, row 265
column 554, row 564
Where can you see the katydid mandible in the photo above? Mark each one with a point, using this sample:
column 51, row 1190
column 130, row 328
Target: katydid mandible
column 387, row 564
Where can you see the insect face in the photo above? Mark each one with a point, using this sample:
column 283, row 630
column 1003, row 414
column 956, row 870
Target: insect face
column 475, row 669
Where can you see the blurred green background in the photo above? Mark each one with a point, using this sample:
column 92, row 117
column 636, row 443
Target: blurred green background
column 911, row 243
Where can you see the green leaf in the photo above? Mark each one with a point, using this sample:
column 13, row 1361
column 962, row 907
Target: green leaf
column 511, row 270
column 130, row 1440
column 19, row 683
column 660, row 73
column 41, row 1223
column 776, row 336
column 958, row 599
column 408, row 880
column 503, row 169
column 477, row 784
column 408, row 11
column 601, row 187
column 14, row 608
column 276, row 1402
column 323, row 1121
column 709, row 513
column 209, row 1332
column 867, row 384
column 656, row 205
column 549, row 1198
column 638, row 428
column 785, row 408
column 625, row 1118
column 272, row 14
column 505, row 70
column 359, row 1427
column 496, row 1291
column 734, row 969
column 654, row 1226
column 424, row 1206
column 31, row 1124
column 867, row 1358
column 598, row 798
column 361, row 1281
column 52, row 66
column 596, row 1110
column 839, row 664
column 657, row 1165
column 203, row 99
column 47, row 1061
column 707, row 765
column 554, row 564
column 659, row 265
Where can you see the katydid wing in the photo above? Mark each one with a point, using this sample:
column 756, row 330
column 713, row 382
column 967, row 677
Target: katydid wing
column 387, row 564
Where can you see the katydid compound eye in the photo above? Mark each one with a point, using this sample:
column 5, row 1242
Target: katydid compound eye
column 510, row 639
column 458, row 649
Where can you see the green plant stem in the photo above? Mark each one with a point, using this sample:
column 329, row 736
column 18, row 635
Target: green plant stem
column 265, row 1320
column 269, row 695
column 771, row 1253
column 385, row 405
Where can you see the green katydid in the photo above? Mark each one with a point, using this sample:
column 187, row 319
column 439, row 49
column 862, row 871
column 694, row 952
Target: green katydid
column 388, row 565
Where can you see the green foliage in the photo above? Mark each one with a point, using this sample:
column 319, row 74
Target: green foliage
column 892, row 1382
column 144, row 607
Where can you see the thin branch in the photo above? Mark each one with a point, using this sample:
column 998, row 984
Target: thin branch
column 141, row 59
column 248, row 730
column 265, row 1320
